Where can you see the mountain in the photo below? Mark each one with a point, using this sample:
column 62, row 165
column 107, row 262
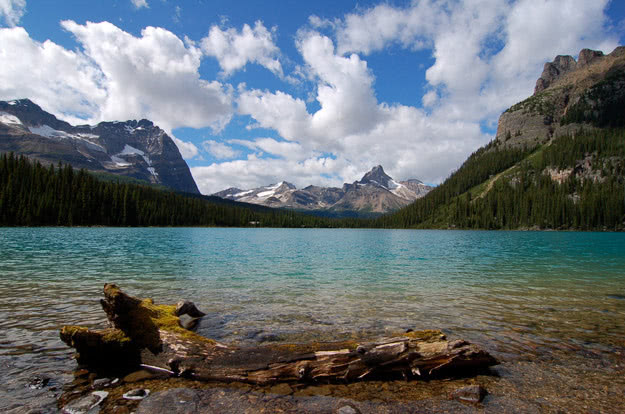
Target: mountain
column 588, row 92
column 376, row 192
column 137, row 149
column 557, row 162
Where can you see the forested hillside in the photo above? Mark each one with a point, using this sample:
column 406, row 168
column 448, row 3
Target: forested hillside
column 34, row 195
column 572, row 182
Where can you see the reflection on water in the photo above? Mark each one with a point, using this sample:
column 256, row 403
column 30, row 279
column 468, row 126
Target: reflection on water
column 559, row 297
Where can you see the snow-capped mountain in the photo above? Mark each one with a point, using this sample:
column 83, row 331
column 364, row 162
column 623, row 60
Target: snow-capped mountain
column 376, row 192
column 137, row 149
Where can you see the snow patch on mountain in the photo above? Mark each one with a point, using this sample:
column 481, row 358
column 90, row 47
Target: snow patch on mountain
column 9, row 119
column 129, row 150
column 376, row 192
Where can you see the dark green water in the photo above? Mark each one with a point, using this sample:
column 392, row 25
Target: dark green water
column 520, row 295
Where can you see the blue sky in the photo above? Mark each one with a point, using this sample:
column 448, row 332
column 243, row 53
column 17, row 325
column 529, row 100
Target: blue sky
column 255, row 92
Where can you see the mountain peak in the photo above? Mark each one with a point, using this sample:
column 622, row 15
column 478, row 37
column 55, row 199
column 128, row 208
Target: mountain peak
column 138, row 149
column 376, row 176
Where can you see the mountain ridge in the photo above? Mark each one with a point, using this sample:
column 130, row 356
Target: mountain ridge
column 557, row 161
column 569, row 96
column 376, row 192
column 137, row 149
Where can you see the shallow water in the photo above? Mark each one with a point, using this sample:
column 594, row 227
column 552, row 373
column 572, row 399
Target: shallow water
column 549, row 305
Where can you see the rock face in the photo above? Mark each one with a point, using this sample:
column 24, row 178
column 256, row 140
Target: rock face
column 376, row 192
column 137, row 149
column 570, row 94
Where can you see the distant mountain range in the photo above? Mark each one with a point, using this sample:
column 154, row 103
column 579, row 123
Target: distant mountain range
column 137, row 149
column 375, row 193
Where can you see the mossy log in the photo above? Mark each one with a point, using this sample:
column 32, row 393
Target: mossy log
column 149, row 335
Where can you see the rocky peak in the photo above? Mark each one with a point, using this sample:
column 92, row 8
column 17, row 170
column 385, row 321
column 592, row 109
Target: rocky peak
column 284, row 185
column 554, row 70
column 587, row 56
column 562, row 65
column 138, row 149
column 376, row 176
column 570, row 94
column 31, row 114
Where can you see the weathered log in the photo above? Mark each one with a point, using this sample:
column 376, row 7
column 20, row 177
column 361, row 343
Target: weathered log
column 151, row 335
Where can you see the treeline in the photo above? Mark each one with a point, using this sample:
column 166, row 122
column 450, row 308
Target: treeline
column 603, row 105
column 591, row 198
column 34, row 195
column 520, row 194
column 481, row 165
column 536, row 201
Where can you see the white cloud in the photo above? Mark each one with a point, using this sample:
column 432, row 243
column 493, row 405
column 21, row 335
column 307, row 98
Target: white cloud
column 220, row 150
column 140, row 3
column 234, row 49
column 115, row 76
column 188, row 150
column 154, row 76
column 61, row 81
column 12, row 11
column 283, row 149
column 255, row 172
column 487, row 55
column 484, row 61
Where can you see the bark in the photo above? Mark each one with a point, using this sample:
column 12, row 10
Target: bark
column 149, row 335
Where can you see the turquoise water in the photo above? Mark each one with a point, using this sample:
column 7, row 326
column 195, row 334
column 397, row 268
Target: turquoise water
column 511, row 292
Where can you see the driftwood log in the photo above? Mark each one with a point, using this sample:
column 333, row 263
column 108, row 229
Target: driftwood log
column 149, row 335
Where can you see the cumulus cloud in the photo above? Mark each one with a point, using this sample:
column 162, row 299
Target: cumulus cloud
column 188, row 150
column 254, row 172
column 487, row 53
column 220, row 150
column 140, row 3
column 281, row 149
column 61, row 81
column 154, row 76
column 115, row 76
column 484, row 61
column 12, row 11
column 353, row 125
column 235, row 49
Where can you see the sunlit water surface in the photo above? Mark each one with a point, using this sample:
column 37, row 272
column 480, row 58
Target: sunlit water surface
column 555, row 300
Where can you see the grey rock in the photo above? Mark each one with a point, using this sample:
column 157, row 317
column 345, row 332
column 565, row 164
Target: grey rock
column 136, row 394
column 88, row 404
column 473, row 394
column 225, row 401
column 104, row 382
column 347, row 409
column 38, row 382
column 173, row 401
column 186, row 307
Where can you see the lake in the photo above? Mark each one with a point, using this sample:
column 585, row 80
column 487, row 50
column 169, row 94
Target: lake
column 549, row 305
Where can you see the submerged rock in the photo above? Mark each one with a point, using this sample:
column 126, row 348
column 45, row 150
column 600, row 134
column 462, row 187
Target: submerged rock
column 226, row 401
column 473, row 394
column 38, row 382
column 104, row 382
column 139, row 376
column 85, row 404
column 136, row 394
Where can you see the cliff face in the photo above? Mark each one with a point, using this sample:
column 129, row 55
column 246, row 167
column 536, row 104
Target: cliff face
column 137, row 149
column 570, row 94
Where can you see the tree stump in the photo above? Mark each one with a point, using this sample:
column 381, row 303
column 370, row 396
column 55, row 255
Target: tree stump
column 149, row 335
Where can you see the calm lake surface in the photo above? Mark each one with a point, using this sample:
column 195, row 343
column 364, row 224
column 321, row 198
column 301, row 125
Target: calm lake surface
column 549, row 305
